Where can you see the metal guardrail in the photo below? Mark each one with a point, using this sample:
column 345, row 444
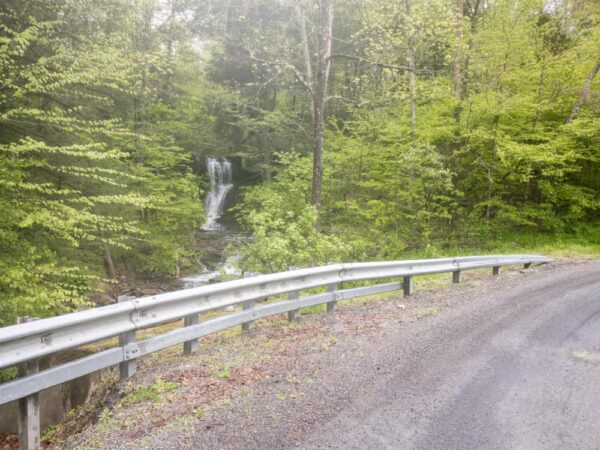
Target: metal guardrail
column 27, row 343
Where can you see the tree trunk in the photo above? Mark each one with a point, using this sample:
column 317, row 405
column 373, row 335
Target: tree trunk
column 412, row 76
column 308, row 71
column 458, row 79
column 538, row 103
column 143, row 44
column 108, row 261
column 168, row 83
column 266, row 156
column 231, row 14
column 585, row 93
column 320, row 90
column 474, row 19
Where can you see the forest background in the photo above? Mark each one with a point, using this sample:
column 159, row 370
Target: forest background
column 381, row 129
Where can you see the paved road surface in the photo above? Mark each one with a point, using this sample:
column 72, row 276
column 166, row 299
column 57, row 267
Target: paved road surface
column 522, row 371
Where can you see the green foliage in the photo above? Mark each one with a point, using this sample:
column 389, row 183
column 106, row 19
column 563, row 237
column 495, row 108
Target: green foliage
column 499, row 160
column 175, row 211
column 8, row 374
column 91, row 173
column 58, row 163
column 583, row 241
column 154, row 393
column 387, row 193
column 221, row 374
column 282, row 222
column 107, row 109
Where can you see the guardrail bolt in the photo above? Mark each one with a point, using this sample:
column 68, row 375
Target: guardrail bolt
column 294, row 315
column 331, row 305
column 408, row 286
column 189, row 347
column 129, row 367
column 456, row 276
column 496, row 270
column 29, row 407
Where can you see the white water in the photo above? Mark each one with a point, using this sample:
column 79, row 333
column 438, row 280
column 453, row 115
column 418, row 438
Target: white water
column 220, row 178
column 213, row 276
column 219, row 175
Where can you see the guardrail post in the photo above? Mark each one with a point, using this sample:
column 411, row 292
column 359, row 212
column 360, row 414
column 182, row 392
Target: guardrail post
column 189, row 347
column 408, row 286
column 331, row 305
column 456, row 276
column 129, row 367
column 294, row 315
column 527, row 265
column 495, row 270
column 29, row 407
column 248, row 326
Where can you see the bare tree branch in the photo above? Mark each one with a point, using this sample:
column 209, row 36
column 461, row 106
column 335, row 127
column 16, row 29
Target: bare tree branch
column 344, row 100
column 305, row 46
column 270, row 80
column 381, row 65
column 282, row 66
column 585, row 93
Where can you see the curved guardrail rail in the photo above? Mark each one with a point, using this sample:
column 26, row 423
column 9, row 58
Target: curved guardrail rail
column 27, row 343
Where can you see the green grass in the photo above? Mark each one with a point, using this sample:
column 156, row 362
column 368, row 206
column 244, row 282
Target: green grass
column 8, row 374
column 583, row 242
column 153, row 393
column 221, row 374
column 581, row 245
column 316, row 309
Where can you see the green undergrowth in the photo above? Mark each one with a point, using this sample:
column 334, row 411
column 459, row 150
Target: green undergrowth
column 224, row 373
column 583, row 242
column 8, row 374
column 154, row 393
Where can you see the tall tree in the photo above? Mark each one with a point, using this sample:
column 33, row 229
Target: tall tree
column 323, row 66
column 585, row 92
column 64, row 177
column 412, row 75
column 458, row 55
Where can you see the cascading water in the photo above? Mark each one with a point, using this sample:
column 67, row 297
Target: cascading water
column 214, row 264
column 219, row 175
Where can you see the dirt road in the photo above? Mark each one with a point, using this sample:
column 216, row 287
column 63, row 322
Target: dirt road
column 521, row 371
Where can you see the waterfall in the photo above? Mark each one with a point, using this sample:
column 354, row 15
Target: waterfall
column 219, row 175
